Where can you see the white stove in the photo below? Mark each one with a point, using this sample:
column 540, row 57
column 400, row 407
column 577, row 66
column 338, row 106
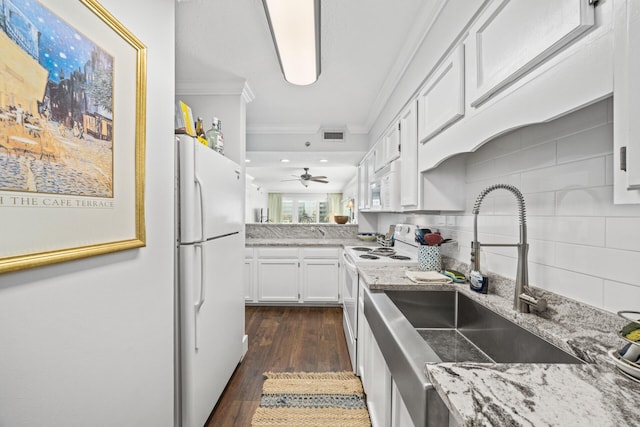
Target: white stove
column 403, row 252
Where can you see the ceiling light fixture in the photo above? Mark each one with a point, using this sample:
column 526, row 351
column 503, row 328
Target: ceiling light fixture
column 284, row 160
column 295, row 29
column 323, row 160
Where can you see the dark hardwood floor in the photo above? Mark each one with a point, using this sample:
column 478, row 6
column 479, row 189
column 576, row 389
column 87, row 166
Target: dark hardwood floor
column 281, row 339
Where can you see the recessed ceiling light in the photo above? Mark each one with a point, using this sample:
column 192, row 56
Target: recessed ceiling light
column 284, row 160
column 323, row 160
column 247, row 160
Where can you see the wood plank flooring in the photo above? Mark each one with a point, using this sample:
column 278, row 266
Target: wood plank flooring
column 281, row 339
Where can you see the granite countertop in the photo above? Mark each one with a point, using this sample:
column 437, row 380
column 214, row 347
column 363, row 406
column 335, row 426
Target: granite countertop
column 252, row 242
column 501, row 394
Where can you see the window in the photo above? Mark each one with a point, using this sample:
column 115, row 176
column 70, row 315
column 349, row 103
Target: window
column 305, row 208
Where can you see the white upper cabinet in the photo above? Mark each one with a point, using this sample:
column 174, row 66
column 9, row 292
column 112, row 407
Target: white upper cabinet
column 626, row 103
column 511, row 38
column 379, row 153
column 392, row 143
column 409, row 174
column 441, row 100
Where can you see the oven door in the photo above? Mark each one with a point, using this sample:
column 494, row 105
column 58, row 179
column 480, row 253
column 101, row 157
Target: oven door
column 350, row 306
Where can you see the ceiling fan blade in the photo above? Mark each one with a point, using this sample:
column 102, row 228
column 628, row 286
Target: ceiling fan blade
column 319, row 180
column 285, row 180
column 321, row 177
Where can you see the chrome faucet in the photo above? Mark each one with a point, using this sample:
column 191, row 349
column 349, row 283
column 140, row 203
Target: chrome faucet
column 522, row 299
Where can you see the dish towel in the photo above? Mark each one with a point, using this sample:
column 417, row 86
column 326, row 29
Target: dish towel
column 428, row 277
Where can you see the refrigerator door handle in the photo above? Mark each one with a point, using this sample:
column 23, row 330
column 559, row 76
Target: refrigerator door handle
column 198, row 304
column 203, row 221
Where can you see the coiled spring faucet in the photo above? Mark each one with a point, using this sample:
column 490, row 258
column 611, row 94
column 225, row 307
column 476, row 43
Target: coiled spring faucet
column 522, row 299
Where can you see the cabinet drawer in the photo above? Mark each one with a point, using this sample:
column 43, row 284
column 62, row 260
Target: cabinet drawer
column 278, row 252
column 320, row 253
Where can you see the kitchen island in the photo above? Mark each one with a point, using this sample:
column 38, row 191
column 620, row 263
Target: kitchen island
column 498, row 394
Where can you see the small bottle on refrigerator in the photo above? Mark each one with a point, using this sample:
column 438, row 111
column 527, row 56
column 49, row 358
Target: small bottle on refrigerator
column 200, row 132
column 215, row 137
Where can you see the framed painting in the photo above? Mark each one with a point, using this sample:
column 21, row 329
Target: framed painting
column 72, row 133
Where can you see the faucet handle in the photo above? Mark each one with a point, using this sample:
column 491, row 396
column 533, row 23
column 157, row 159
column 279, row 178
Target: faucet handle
column 539, row 304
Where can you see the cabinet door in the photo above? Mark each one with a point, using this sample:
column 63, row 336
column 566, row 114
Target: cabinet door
column 278, row 280
column 510, row 38
column 361, row 335
column 379, row 380
column 320, row 280
column 399, row 414
column 626, row 103
column 441, row 100
column 379, row 153
column 392, row 143
column 362, row 185
column 249, row 294
column 409, row 175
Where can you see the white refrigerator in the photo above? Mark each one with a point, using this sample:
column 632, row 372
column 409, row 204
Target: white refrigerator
column 209, row 292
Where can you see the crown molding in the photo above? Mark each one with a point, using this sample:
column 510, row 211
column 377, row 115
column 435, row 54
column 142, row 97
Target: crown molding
column 220, row 88
column 286, row 130
column 420, row 30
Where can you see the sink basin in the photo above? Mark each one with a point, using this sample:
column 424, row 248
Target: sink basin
column 413, row 328
column 469, row 332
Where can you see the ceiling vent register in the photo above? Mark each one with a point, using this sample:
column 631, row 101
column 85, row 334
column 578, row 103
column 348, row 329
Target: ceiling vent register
column 332, row 136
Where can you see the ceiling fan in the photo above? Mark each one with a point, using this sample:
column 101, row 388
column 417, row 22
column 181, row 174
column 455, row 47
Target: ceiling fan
column 306, row 177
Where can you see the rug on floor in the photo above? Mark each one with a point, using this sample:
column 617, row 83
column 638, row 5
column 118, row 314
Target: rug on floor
column 299, row 399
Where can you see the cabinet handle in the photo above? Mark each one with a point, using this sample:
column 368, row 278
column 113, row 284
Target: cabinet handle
column 623, row 159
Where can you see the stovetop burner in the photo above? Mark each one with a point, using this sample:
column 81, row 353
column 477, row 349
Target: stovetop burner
column 383, row 251
column 400, row 257
column 361, row 249
column 367, row 256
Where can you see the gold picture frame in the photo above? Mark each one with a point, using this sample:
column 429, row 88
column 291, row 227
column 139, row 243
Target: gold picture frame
column 72, row 162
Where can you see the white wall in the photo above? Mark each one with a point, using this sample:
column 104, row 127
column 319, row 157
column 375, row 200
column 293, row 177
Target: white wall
column 90, row 342
column 230, row 109
column 581, row 244
column 256, row 198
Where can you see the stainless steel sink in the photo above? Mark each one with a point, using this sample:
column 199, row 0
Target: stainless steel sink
column 469, row 332
column 417, row 327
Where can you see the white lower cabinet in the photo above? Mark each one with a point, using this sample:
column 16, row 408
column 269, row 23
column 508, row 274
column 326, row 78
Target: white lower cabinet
column 399, row 414
column 278, row 280
column 249, row 275
column 293, row 274
column 321, row 280
column 376, row 380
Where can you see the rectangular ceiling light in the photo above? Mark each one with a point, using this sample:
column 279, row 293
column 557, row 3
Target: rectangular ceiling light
column 295, row 28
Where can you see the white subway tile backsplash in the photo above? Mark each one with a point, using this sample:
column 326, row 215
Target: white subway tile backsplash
column 621, row 296
column 584, row 173
column 591, row 202
column 498, row 147
column 581, row 245
column 542, row 252
column 540, row 204
column 536, row 157
column 585, row 118
column 590, row 143
column 480, row 171
column 582, row 231
column 606, row 263
column 623, row 233
column 580, row 287
column 609, row 169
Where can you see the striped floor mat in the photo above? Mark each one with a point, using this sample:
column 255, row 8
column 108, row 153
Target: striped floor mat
column 300, row 399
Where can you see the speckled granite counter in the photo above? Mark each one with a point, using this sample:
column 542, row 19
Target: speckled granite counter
column 481, row 394
column 306, row 242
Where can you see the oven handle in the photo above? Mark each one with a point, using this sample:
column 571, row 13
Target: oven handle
column 349, row 263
